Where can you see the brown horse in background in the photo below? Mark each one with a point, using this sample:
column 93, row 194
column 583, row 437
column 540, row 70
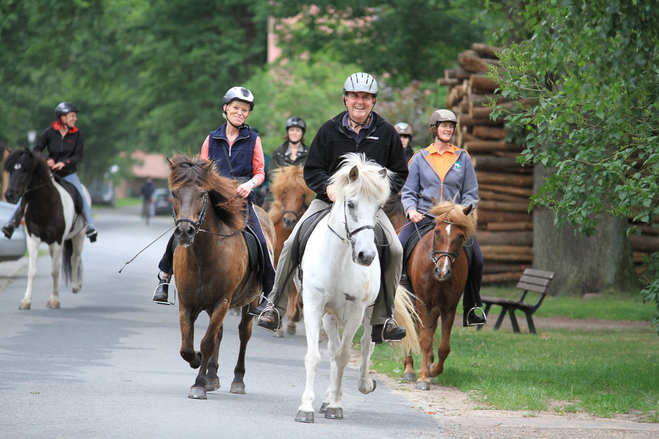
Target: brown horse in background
column 393, row 208
column 209, row 219
column 291, row 200
column 437, row 271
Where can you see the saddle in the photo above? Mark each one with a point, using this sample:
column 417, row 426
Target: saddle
column 73, row 191
column 413, row 240
column 256, row 256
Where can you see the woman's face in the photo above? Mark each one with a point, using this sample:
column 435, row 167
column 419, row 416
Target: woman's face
column 70, row 119
column 405, row 140
column 237, row 112
column 360, row 105
column 295, row 134
column 445, row 131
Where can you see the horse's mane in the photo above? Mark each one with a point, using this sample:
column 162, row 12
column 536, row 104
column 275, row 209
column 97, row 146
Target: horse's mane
column 394, row 206
column 228, row 206
column 40, row 166
column 283, row 180
column 454, row 213
column 369, row 185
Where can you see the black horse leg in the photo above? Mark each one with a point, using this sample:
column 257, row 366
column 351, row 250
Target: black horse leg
column 212, row 380
column 245, row 333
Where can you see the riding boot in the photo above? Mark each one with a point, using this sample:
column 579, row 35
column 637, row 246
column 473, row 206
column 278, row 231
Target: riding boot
column 270, row 317
column 13, row 223
column 91, row 233
column 161, row 295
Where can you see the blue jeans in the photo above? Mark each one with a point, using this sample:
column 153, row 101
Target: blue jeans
column 73, row 179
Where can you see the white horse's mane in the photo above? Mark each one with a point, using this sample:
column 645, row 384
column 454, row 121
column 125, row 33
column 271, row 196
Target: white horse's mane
column 370, row 185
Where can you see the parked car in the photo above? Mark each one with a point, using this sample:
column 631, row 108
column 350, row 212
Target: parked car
column 102, row 193
column 163, row 202
column 16, row 247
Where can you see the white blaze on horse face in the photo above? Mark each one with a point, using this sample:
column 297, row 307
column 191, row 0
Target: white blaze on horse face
column 446, row 266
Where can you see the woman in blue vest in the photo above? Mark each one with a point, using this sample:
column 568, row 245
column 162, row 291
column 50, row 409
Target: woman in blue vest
column 238, row 154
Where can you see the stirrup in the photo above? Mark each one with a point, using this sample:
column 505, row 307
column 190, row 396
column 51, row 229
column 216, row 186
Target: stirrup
column 269, row 307
column 169, row 284
column 472, row 310
column 385, row 340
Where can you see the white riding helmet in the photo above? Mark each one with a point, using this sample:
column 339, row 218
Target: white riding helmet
column 239, row 94
column 442, row 116
column 361, row 82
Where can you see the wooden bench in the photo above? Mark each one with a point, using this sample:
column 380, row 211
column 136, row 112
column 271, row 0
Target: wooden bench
column 532, row 280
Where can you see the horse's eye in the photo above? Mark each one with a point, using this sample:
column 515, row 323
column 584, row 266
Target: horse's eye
column 351, row 205
column 201, row 196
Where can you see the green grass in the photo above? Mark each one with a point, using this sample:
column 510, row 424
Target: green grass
column 128, row 201
column 603, row 306
column 601, row 372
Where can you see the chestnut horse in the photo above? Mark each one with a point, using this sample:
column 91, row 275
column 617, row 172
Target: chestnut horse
column 437, row 272
column 291, row 199
column 209, row 219
column 50, row 217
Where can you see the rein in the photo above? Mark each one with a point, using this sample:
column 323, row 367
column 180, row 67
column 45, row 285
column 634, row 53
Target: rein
column 202, row 216
column 349, row 234
column 451, row 255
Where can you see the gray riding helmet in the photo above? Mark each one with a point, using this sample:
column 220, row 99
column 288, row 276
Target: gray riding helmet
column 65, row 108
column 238, row 94
column 442, row 115
column 361, row 82
column 403, row 128
column 296, row 122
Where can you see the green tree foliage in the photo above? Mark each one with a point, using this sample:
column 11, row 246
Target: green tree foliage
column 593, row 68
column 411, row 39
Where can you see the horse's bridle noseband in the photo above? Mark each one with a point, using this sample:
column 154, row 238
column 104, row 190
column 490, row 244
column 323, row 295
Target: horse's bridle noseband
column 298, row 214
column 349, row 234
column 200, row 220
column 451, row 255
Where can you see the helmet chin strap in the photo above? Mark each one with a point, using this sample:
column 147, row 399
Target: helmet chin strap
column 244, row 125
column 353, row 121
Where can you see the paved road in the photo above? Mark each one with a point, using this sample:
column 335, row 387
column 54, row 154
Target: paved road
column 106, row 365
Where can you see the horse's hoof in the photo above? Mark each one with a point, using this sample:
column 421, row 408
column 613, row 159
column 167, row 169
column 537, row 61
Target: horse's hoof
column 278, row 333
column 76, row 289
column 290, row 330
column 423, row 385
column 409, row 376
column 334, row 413
column 303, row 416
column 197, row 393
column 212, row 384
column 52, row 304
column 237, row 388
column 25, row 305
column 323, row 408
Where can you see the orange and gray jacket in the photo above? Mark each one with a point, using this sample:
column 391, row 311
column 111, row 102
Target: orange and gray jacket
column 423, row 183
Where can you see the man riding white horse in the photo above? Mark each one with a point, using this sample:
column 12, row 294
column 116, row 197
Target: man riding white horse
column 360, row 130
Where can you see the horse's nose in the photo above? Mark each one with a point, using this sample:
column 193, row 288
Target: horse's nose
column 11, row 196
column 442, row 273
column 185, row 234
column 289, row 221
column 364, row 258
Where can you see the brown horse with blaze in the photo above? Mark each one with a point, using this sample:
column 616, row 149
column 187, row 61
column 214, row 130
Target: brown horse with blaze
column 210, row 218
column 437, row 272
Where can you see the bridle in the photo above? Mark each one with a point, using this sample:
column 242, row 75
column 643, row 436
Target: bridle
column 304, row 207
column 200, row 220
column 452, row 256
column 349, row 234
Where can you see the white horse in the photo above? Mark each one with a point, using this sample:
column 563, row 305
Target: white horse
column 342, row 280
column 50, row 217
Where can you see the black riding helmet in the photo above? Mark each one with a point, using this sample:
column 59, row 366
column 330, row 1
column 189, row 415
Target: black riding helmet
column 296, row 122
column 65, row 108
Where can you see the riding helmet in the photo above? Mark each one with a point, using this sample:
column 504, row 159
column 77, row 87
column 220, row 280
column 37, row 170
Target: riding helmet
column 296, row 122
column 404, row 129
column 440, row 116
column 65, row 108
column 239, row 94
column 361, row 82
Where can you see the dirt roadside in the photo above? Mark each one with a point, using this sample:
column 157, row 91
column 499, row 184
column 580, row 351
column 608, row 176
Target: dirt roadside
column 459, row 416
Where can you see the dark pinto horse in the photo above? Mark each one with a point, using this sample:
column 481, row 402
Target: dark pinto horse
column 50, row 217
column 437, row 271
column 291, row 200
column 211, row 265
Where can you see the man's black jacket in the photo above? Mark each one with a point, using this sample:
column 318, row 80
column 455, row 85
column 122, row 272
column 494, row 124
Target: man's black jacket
column 381, row 144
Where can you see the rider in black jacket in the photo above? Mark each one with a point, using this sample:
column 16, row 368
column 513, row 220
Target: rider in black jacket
column 357, row 130
column 64, row 149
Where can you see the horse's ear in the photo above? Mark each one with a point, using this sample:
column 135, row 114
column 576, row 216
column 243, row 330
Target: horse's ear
column 383, row 172
column 354, row 173
column 467, row 210
column 434, row 202
column 171, row 165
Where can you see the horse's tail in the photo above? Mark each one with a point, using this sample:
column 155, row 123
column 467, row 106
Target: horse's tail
column 407, row 317
column 67, row 269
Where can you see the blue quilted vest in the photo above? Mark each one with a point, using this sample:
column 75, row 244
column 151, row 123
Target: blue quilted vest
column 240, row 154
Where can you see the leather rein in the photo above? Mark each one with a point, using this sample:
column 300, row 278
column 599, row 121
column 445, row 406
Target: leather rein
column 202, row 216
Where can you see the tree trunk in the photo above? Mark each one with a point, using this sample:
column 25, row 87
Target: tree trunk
column 582, row 264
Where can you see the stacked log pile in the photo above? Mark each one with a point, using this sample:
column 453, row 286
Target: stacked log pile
column 505, row 228
column 645, row 243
